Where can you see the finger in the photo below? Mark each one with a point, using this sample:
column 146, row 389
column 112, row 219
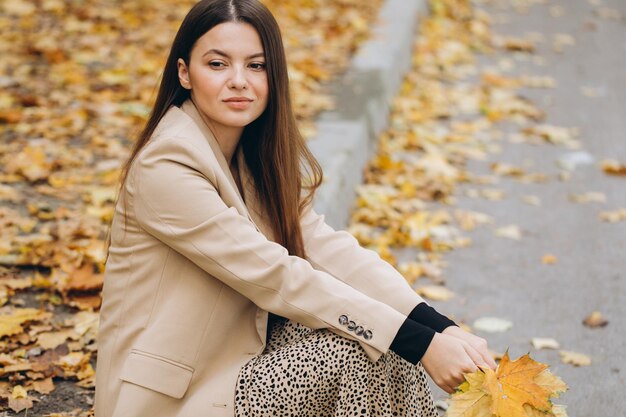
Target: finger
column 487, row 357
column 489, row 360
column 447, row 388
column 477, row 359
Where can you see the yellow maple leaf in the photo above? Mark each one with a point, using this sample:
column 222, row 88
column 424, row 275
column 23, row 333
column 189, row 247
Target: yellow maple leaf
column 512, row 385
column 12, row 323
column 471, row 400
column 551, row 382
column 519, row 388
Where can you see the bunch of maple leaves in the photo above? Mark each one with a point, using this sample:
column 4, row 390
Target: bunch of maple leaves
column 519, row 388
column 76, row 85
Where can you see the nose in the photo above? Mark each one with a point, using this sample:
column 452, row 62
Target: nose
column 238, row 78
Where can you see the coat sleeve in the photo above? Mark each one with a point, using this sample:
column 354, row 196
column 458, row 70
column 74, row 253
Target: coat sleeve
column 339, row 254
column 176, row 200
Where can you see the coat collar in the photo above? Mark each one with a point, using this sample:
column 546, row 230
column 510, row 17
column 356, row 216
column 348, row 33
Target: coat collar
column 249, row 202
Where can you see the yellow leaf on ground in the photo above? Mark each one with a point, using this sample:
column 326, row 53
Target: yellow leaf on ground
column 613, row 216
column 435, row 292
column 613, row 167
column 544, row 343
column 574, row 358
column 589, row 197
column 19, row 392
column 12, row 323
column 548, row 259
column 595, row 319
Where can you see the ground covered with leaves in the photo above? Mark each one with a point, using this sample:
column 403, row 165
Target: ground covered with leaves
column 451, row 111
column 76, row 84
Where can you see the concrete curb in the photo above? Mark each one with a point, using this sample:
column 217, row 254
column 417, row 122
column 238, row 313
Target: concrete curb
column 347, row 136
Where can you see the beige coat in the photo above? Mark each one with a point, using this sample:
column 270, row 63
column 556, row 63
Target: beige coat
column 189, row 283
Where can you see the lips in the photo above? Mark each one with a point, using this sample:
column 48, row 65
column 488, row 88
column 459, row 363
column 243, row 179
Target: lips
column 237, row 99
column 238, row 103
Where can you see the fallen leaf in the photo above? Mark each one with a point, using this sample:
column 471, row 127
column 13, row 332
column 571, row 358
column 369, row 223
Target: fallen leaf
column 44, row 386
column 19, row 399
column 50, row 340
column 492, row 324
column 532, row 200
column 549, row 259
column 595, row 319
column 544, row 343
column 11, row 323
column 435, row 292
column 509, row 232
column 574, row 358
column 613, row 216
column 589, row 197
column 613, row 167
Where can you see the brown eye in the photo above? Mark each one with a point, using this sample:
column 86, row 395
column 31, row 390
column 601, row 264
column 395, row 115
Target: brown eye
column 259, row 66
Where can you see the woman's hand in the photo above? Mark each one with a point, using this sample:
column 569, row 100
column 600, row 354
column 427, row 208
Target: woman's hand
column 480, row 354
column 447, row 359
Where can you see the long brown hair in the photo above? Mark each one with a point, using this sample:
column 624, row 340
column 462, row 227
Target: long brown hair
column 274, row 150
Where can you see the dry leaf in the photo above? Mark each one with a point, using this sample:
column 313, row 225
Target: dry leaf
column 520, row 388
column 613, row 167
column 549, row 259
column 492, row 324
column 11, row 323
column 471, row 400
column 589, row 197
column 613, row 216
column 45, row 386
column 595, row 319
column 435, row 292
column 574, row 358
column 50, row 340
column 509, row 232
column 544, row 343
column 19, row 399
column 532, row 200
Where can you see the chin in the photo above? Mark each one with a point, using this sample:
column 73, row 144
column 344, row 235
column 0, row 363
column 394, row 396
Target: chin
column 239, row 122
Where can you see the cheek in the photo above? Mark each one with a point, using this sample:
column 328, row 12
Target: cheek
column 209, row 84
column 261, row 85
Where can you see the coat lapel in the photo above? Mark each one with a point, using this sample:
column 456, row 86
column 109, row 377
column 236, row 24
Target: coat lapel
column 256, row 211
column 250, row 206
column 190, row 108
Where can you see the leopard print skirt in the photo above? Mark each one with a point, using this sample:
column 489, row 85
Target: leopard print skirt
column 317, row 373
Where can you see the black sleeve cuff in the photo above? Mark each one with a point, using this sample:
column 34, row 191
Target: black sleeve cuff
column 412, row 341
column 428, row 316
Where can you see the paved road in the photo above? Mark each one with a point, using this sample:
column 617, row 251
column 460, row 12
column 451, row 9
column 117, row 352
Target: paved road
column 505, row 278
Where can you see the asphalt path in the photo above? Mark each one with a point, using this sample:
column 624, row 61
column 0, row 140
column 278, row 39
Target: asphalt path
column 506, row 278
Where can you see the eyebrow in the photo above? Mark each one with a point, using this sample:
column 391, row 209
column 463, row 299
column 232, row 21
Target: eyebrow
column 224, row 54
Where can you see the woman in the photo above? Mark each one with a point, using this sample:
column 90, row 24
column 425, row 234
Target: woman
column 212, row 233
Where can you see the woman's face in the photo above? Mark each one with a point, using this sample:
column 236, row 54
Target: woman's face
column 226, row 76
